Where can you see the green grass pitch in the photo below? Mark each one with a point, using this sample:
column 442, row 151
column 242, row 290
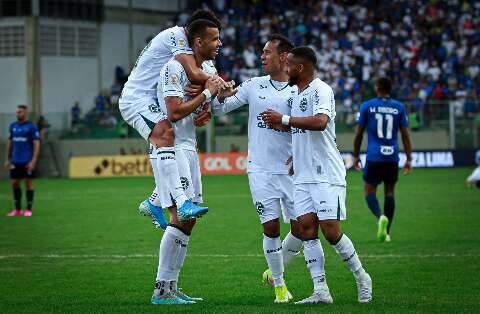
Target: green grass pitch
column 86, row 249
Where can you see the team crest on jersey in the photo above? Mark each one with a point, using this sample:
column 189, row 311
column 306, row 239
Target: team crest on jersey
column 154, row 108
column 303, row 104
column 185, row 183
column 260, row 207
column 290, row 102
column 181, row 43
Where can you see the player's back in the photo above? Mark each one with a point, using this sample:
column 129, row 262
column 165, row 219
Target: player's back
column 382, row 118
column 143, row 79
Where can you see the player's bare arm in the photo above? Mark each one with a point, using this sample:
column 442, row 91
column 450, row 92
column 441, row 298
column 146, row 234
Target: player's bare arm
column 197, row 76
column 36, row 151
column 317, row 122
column 407, row 146
column 177, row 110
column 357, row 143
column 8, row 154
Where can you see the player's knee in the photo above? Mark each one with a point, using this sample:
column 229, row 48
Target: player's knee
column 271, row 228
column 296, row 229
column 15, row 184
column 309, row 231
column 331, row 232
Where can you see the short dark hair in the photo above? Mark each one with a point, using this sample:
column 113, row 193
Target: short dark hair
column 204, row 15
column 305, row 53
column 22, row 107
column 198, row 29
column 384, row 85
column 284, row 44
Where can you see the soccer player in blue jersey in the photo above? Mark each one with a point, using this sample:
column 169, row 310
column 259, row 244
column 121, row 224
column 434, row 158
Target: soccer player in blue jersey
column 23, row 147
column 383, row 117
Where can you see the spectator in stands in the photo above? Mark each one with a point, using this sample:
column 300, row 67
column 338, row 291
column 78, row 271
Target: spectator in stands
column 107, row 120
column 76, row 112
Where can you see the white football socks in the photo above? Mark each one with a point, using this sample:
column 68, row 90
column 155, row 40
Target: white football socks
column 168, row 170
column 346, row 251
column 291, row 247
column 169, row 252
column 272, row 248
column 313, row 251
column 182, row 252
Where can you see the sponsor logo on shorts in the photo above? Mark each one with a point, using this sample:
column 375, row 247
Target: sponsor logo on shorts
column 260, row 208
column 185, row 183
column 154, row 108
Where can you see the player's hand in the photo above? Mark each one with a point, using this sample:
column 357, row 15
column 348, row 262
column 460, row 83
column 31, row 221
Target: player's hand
column 289, row 162
column 6, row 164
column 357, row 163
column 30, row 166
column 203, row 118
column 212, row 85
column 193, row 90
column 227, row 92
column 407, row 168
column 272, row 118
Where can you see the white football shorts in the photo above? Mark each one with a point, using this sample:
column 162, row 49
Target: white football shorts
column 142, row 114
column 324, row 199
column 272, row 196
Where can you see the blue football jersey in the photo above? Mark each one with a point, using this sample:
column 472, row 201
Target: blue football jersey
column 22, row 136
column 382, row 117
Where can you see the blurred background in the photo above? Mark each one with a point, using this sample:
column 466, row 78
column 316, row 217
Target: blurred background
column 68, row 61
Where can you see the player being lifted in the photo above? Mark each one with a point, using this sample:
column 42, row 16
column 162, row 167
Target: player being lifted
column 319, row 174
column 382, row 117
column 139, row 107
column 268, row 151
column 203, row 36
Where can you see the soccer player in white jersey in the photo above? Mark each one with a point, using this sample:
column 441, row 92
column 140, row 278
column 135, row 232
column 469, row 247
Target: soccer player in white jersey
column 319, row 174
column 203, row 36
column 268, row 151
column 139, row 106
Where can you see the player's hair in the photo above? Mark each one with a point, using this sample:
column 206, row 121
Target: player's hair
column 198, row 28
column 305, row 53
column 22, row 107
column 384, row 85
column 204, row 15
column 284, row 44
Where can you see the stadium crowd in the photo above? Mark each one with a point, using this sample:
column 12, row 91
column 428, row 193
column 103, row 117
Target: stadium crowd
column 430, row 48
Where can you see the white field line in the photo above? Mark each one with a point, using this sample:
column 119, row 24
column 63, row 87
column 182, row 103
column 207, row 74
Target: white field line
column 139, row 256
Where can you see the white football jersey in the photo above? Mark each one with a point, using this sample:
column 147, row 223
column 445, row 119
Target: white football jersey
column 143, row 78
column 316, row 157
column 268, row 149
column 172, row 82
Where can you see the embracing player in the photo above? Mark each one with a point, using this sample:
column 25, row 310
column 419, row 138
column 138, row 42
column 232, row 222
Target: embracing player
column 139, row 107
column 319, row 174
column 268, row 151
column 383, row 117
column 203, row 36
